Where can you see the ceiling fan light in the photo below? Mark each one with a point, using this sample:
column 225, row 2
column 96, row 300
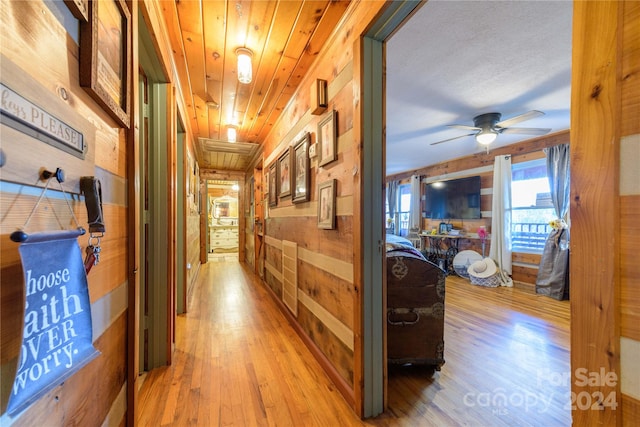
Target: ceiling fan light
column 486, row 136
column 245, row 73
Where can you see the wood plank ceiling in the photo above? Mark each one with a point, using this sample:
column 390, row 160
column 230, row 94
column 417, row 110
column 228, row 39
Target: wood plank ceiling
column 285, row 36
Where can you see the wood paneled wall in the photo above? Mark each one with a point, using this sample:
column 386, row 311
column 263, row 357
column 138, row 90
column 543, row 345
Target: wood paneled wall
column 525, row 266
column 605, row 201
column 39, row 47
column 327, row 295
column 630, row 215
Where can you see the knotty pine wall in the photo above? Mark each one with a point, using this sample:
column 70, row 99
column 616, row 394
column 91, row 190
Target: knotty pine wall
column 605, row 206
column 40, row 61
column 629, row 305
column 525, row 266
column 327, row 295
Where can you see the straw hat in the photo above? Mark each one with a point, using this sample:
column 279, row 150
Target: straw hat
column 483, row 268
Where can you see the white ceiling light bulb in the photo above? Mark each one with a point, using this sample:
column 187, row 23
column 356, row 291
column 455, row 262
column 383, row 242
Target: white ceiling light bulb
column 486, row 136
column 245, row 73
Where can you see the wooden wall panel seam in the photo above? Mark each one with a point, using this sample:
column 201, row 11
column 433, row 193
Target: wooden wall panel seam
column 629, row 368
column 276, row 243
column 344, row 207
column 114, row 187
column 525, row 265
column 629, row 161
column 274, row 271
column 336, row 267
column 339, row 329
column 333, row 266
column 344, row 77
column 463, row 173
column 108, row 309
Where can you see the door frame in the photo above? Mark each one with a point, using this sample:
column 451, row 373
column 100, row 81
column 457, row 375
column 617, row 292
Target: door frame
column 371, row 359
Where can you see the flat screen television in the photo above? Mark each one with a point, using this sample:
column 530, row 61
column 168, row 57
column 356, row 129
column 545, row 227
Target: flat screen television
column 454, row 199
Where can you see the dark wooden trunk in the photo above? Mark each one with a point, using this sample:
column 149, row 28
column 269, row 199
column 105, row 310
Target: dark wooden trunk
column 415, row 311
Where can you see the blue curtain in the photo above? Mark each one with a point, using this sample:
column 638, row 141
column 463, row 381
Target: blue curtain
column 553, row 272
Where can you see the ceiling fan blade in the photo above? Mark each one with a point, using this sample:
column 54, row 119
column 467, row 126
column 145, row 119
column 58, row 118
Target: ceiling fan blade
column 464, row 127
column 451, row 139
column 521, row 118
column 526, row 131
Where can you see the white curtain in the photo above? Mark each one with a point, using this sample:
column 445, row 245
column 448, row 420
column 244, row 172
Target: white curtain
column 392, row 198
column 414, row 212
column 500, row 250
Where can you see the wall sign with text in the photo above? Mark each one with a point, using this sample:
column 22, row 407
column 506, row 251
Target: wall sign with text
column 57, row 335
column 26, row 117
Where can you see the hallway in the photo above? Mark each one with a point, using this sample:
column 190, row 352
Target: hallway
column 238, row 362
column 233, row 363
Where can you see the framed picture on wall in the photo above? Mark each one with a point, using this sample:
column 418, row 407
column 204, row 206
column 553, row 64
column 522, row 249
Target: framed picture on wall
column 327, row 138
column 327, row 205
column 301, row 170
column 284, row 174
column 273, row 185
column 105, row 57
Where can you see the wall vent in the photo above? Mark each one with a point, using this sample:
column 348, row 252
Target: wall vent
column 290, row 275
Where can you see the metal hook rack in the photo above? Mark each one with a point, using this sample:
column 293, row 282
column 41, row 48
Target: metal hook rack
column 20, row 235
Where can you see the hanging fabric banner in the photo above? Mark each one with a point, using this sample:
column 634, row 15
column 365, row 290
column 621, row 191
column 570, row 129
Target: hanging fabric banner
column 57, row 335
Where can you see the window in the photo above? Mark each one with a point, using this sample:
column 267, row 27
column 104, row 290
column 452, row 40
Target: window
column 404, row 204
column 532, row 208
column 403, row 207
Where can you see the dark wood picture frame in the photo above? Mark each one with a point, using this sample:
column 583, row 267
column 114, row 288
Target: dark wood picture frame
column 327, row 141
column 105, row 57
column 327, row 205
column 273, row 185
column 79, row 9
column 284, row 174
column 301, row 176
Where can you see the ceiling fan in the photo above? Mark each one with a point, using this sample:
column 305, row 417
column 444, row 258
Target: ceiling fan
column 487, row 127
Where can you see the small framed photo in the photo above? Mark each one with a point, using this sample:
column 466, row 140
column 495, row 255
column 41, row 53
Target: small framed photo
column 327, row 138
column 327, row 205
column 273, row 185
column 105, row 57
column 284, row 174
column 301, row 170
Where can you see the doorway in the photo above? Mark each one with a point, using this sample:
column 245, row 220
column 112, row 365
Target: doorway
column 373, row 79
column 157, row 213
column 223, row 219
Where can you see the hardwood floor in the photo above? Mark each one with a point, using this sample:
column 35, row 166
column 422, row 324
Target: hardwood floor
column 238, row 362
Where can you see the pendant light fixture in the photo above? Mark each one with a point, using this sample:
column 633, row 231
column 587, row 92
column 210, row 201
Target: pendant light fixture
column 231, row 134
column 245, row 73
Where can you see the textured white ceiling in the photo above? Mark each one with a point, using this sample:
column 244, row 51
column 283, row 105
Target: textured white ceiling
column 454, row 60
